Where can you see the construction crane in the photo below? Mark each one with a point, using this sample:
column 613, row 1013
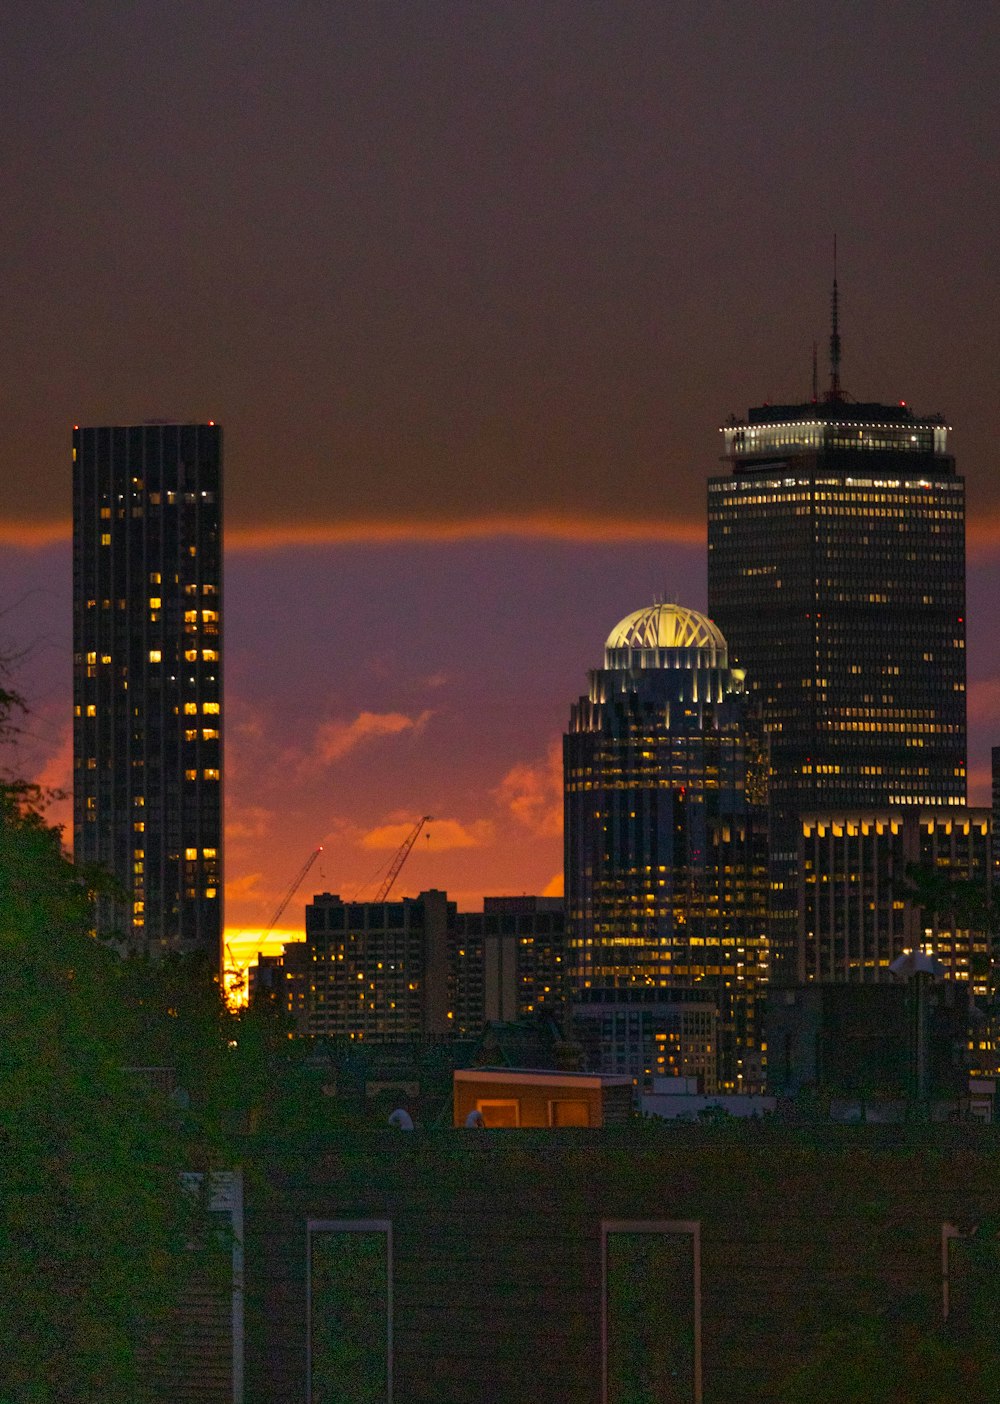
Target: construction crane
column 401, row 857
column 235, row 971
column 293, row 888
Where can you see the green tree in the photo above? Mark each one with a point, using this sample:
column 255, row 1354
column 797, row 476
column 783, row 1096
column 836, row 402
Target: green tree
column 93, row 1220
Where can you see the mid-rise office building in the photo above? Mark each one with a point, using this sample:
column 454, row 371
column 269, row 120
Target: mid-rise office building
column 509, row 962
column 665, row 832
column 859, row 893
column 379, row 971
column 147, row 680
column 874, row 885
column 395, row 972
column 662, row 1033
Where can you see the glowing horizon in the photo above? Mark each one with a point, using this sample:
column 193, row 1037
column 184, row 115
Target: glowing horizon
column 541, row 526
column 982, row 531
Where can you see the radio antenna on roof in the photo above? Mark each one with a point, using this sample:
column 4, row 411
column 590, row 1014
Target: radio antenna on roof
column 835, row 395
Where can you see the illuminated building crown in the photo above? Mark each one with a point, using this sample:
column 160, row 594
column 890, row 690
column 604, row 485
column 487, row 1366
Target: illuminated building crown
column 665, row 635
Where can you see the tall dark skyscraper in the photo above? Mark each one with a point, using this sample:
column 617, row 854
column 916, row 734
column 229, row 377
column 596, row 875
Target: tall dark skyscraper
column 147, row 679
column 836, row 570
column 664, row 831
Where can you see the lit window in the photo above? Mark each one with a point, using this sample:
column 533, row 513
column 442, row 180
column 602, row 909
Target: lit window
column 209, row 707
column 105, row 538
column 91, row 709
column 190, row 709
column 190, row 655
column 155, row 655
column 155, row 602
column 190, row 775
column 190, row 854
column 209, row 852
column 210, row 733
column 211, row 774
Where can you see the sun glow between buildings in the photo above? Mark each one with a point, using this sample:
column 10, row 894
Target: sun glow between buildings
column 243, row 946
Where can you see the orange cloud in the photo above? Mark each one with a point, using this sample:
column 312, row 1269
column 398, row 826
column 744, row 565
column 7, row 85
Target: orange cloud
column 982, row 535
column 277, row 536
column 336, row 739
column 541, row 526
column 534, row 793
column 983, row 531
column 248, row 822
column 244, row 886
column 441, row 834
column 32, row 536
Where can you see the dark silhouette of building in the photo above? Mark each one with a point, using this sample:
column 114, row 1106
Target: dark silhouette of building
column 836, row 571
column 865, row 1042
column 147, row 679
column 665, row 857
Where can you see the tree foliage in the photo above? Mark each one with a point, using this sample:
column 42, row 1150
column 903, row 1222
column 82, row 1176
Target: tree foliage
column 95, row 1226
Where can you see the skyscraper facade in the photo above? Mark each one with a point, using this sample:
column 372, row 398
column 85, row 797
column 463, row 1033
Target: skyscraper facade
column 147, row 680
column 836, row 570
column 664, row 802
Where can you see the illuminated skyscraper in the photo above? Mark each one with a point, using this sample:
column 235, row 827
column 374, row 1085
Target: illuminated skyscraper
column 664, row 833
column 836, row 570
column 147, row 679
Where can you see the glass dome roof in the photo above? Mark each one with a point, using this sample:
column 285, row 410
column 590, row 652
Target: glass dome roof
column 665, row 626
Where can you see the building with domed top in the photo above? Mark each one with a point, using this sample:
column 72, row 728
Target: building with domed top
column 665, row 854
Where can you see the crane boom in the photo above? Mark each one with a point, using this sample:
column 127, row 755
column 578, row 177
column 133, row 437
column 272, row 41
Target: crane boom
column 401, row 857
column 293, row 888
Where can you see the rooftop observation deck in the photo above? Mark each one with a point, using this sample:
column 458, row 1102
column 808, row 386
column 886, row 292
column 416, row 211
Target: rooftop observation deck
column 781, row 431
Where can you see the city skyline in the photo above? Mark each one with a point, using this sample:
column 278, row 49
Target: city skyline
column 499, row 795
column 433, row 268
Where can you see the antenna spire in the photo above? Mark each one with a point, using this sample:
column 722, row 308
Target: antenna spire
column 815, row 377
column 835, row 394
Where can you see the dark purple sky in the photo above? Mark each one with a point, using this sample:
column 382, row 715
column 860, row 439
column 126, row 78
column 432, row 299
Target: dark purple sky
column 429, row 260
column 442, row 268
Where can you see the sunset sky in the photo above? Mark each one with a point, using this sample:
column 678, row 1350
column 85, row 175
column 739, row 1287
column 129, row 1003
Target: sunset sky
column 471, row 285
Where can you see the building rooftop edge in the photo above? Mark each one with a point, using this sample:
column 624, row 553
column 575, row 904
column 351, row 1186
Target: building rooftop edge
column 836, row 411
column 542, row 1075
